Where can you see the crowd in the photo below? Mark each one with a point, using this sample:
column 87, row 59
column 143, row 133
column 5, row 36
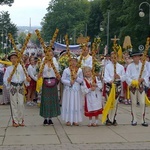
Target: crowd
column 83, row 88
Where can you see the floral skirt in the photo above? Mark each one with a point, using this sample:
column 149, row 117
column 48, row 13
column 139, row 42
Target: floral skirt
column 49, row 102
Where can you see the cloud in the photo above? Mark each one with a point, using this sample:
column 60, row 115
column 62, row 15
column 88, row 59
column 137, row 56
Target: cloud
column 22, row 10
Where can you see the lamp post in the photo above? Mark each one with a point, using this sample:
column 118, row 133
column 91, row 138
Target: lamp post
column 102, row 28
column 141, row 12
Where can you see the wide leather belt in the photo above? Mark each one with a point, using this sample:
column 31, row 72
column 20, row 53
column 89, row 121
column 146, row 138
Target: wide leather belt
column 16, row 84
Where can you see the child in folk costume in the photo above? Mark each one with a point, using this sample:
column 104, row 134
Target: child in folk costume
column 72, row 95
column 16, row 88
column 137, row 87
column 49, row 107
column 93, row 96
column 111, row 77
column 32, row 85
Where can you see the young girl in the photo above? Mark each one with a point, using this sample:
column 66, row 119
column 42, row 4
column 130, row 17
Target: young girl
column 93, row 96
column 72, row 96
column 15, row 85
column 49, row 107
column 32, row 85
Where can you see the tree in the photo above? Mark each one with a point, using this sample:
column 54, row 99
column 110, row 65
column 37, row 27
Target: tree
column 21, row 38
column 69, row 16
column 34, row 39
column 125, row 20
column 6, row 2
column 6, row 27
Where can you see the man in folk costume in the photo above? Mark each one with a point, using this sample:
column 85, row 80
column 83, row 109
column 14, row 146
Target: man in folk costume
column 105, row 61
column 137, row 87
column 15, row 86
column 111, row 77
column 87, row 58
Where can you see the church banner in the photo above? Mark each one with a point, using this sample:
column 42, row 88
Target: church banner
column 73, row 48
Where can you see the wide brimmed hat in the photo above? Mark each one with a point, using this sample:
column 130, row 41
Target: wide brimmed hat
column 12, row 54
column 136, row 53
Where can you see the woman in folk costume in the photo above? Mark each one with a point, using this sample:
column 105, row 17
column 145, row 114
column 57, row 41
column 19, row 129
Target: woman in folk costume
column 137, row 91
column 15, row 85
column 49, row 107
column 72, row 96
column 93, row 96
column 32, row 85
column 110, row 76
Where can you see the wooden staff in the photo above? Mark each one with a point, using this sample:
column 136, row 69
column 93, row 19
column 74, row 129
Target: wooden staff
column 83, row 46
column 12, row 42
column 115, row 48
column 19, row 53
column 93, row 62
column 69, row 56
column 95, row 46
column 48, row 57
column 144, row 56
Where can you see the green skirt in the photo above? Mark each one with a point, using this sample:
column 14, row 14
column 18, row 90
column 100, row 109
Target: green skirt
column 49, row 102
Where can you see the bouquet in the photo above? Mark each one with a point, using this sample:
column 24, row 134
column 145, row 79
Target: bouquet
column 63, row 63
column 97, row 66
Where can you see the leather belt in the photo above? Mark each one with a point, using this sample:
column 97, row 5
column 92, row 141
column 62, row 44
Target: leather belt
column 16, row 84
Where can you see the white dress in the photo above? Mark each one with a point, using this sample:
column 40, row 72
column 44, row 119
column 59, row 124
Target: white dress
column 93, row 98
column 72, row 97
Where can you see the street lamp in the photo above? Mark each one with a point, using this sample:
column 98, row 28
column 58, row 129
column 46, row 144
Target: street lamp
column 141, row 12
column 102, row 28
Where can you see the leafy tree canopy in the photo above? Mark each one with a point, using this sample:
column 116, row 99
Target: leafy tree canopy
column 6, row 2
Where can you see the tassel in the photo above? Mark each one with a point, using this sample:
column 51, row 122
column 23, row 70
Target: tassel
column 147, row 101
column 39, row 84
column 6, row 62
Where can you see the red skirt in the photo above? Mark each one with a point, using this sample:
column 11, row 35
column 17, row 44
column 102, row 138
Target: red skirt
column 32, row 85
column 91, row 113
column 125, row 85
column 148, row 93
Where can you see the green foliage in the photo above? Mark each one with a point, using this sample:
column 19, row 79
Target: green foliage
column 6, row 26
column 6, row 2
column 69, row 16
column 21, row 38
column 72, row 16
column 34, row 39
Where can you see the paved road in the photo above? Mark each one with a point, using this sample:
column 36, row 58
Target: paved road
column 35, row 136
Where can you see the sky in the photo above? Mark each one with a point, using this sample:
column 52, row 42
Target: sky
column 22, row 10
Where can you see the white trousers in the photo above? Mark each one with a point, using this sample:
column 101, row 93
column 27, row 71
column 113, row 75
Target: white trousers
column 136, row 94
column 17, row 103
column 113, row 112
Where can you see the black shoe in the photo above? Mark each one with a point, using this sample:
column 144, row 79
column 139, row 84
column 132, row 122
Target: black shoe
column 133, row 123
column 45, row 122
column 108, row 122
column 145, row 124
column 115, row 123
column 50, row 122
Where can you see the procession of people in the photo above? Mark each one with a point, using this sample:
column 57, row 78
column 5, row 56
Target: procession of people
column 85, row 92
